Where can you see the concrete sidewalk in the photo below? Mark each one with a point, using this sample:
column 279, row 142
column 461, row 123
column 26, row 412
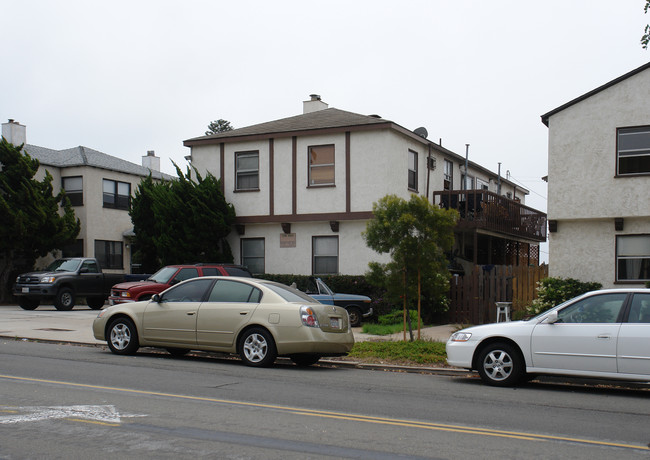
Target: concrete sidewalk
column 75, row 326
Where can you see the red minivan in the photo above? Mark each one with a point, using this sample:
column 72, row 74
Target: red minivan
column 168, row 276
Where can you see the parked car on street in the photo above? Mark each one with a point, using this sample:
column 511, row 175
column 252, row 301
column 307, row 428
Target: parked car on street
column 63, row 282
column 600, row 334
column 167, row 277
column 358, row 306
column 256, row 319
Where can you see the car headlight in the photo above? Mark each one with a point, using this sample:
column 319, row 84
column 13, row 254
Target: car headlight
column 125, row 294
column 460, row 336
column 48, row 279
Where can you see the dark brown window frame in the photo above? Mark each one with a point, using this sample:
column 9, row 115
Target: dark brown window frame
column 247, row 152
column 309, row 166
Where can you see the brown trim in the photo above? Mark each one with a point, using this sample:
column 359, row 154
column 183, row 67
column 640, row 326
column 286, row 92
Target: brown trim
column 359, row 215
column 222, row 165
column 246, row 190
column 322, row 186
column 347, row 172
column 294, row 174
column 271, row 172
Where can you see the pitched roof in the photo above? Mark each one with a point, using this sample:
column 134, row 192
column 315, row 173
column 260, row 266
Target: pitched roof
column 319, row 120
column 84, row 156
column 547, row 115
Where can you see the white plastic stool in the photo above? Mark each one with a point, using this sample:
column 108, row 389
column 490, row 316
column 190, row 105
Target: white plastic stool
column 503, row 308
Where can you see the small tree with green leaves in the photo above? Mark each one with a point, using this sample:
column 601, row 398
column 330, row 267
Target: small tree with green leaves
column 554, row 291
column 34, row 220
column 645, row 39
column 416, row 234
column 218, row 126
column 182, row 221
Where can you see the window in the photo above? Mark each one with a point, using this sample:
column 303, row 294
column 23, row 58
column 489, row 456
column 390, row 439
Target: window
column 604, row 308
column 321, row 165
column 413, row 170
column 481, row 184
column 75, row 249
column 116, row 194
column 247, row 170
column 633, row 150
column 633, row 258
column 89, row 266
column 185, row 274
column 252, row 254
column 73, row 187
column 325, row 255
column 449, row 176
column 109, row 253
column 234, row 291
column 640, row 309
column 469, row 181
column 193, row 291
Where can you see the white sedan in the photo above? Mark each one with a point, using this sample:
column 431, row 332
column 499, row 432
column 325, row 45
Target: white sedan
column 600, row 334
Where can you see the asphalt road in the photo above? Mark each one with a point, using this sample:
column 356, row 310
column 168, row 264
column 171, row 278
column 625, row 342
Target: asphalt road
column 65, row 401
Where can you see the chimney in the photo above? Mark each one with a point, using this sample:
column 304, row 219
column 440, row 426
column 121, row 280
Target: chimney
column 314, row 104
column 151, row 161
column 14, row 132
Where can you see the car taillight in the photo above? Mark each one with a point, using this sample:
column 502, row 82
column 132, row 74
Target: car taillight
column 308, row 317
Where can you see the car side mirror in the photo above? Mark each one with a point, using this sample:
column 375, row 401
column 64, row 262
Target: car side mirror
column 83, row 270
column 155, row 298
column 551, row 318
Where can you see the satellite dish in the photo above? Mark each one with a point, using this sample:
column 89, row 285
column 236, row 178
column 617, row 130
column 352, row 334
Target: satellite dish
column 422, row 132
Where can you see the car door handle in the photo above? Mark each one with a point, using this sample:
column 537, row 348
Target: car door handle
column 243, row 313
column 604, row 336
column 191, row 313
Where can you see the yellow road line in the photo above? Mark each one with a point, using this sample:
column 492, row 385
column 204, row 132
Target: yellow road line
column 344, row 416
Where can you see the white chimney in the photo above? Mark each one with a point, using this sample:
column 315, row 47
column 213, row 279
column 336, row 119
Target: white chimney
column 151, row 161
column 14, row 132
column 314, row 104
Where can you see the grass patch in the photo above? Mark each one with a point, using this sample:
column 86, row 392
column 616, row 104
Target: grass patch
column 381, row 329
column 418, row 352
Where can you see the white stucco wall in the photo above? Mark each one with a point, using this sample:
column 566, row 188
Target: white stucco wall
column 584, row 194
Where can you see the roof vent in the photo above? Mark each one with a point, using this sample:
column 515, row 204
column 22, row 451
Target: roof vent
column 374, row 115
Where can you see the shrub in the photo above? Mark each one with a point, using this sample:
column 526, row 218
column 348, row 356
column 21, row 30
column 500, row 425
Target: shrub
column 397, row 317
column 554, row 291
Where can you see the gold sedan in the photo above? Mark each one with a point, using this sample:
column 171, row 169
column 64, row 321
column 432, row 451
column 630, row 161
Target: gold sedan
column 256, row 319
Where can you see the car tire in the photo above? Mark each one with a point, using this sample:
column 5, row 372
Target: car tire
column 501, row 365
column 304, row 360
column 28, row 304
column 96, row 303
column 64, row 299
column 122, row 336
column 257, row 348
column 355, row 316
column 177, row 352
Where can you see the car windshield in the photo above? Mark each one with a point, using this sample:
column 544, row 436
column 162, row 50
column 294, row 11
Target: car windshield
column 64, row 265
column 288, row 293
column 163, row 275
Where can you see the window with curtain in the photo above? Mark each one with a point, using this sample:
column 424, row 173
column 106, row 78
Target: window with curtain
column 325, row 255
column 633, row 258
column 116, row 194
column 73, row 187
column 633, row 150
column 321, row 165
column 109, row 254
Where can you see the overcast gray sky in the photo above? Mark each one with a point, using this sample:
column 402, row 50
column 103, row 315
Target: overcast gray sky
column 124, row 77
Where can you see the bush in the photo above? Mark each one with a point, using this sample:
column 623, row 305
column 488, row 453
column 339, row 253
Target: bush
column 554, row 291
column 396, row 317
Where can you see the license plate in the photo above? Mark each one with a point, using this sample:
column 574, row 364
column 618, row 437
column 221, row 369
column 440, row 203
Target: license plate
column 25, row 290
column 335, row 323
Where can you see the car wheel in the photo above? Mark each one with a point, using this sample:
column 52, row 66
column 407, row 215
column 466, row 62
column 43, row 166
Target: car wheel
column 28, row 304
column 355, row 316
column 122, row 337
column 96, row 303
column 178, row 352
column 304, row 360
column 500, row 364
column 256, row 348
column 64, row 299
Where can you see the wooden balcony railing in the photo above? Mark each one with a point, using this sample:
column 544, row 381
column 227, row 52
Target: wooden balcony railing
column 489, row 211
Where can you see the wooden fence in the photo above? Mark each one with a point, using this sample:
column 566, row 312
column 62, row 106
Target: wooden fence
column 473, row 295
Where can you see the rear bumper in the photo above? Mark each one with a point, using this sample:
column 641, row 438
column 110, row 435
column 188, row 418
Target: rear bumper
column 315, row 341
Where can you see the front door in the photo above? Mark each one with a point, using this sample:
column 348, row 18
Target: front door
column 584, row 338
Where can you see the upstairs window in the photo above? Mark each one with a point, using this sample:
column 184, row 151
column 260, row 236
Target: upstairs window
column 73, row 187
column 633, row 150
column 413, row 170
column 116, row 194
column 321, row 165
column 448, row 176
column 633, row 258
column 247, row 170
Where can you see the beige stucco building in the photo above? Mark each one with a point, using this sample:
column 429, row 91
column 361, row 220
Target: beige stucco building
column 598, row 183
column 99, row 187
column 303, row 189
